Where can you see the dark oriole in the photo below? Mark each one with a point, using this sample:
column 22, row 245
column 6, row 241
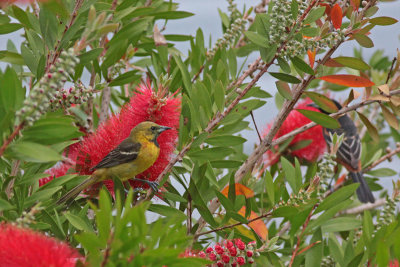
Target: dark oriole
column 132, row 156
column 349, row 152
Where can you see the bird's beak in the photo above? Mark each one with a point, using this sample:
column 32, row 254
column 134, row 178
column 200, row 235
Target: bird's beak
column 163, row 128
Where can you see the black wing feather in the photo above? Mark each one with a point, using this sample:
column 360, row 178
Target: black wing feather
column 123, row 153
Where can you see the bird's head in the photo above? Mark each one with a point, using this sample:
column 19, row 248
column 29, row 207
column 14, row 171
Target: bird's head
column 148, row 130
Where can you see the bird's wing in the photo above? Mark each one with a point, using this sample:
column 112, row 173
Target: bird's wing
column 124, row 153
column 350, row 151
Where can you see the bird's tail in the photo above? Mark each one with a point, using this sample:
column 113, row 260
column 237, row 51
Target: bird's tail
column 363, row 191
column 74, row 192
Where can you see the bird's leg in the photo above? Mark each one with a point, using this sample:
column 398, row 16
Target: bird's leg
column 154, row 185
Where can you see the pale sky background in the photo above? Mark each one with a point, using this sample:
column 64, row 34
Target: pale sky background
column 207, row 17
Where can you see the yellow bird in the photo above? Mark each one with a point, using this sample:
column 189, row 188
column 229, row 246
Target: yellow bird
column 132, row 156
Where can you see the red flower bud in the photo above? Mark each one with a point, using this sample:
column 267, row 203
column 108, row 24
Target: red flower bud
column 212, row 256
column 202, row 254
column 225, row 258
column 209, row 249
column 250, row 260
column 233, row 251
column 219, row 249
column 249, row 253
column 220, row 264
column 234, row 264
column 240, row 261
column 229, row 244
column 240, row 244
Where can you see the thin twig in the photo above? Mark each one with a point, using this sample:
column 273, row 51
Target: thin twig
column 16, row 131
column 390, row 71
column 189, row 214
column 232, row 225
column 255, row 125
column 108, row 249
column 382, row 159
column 363, row 207
column 198, row 74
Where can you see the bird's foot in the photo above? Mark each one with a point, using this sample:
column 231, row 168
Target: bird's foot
column 153, row 185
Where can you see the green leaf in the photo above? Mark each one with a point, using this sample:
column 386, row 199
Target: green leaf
column 269, row 185
column 323, row 102
column 303, row 66
column 315, row 14
column 89, row 55
column 382, row 253
column 268, row 53
column 284, row 77
column 341, row 224
column 257, row 39
column 352, row 62
column 310, row 31
column 283, row 65
column 212, row 153
column 185, row 73
column 289, row 173
column 172, row 15
column 383, row 172
column 314, row 254
column 225, row 163
column 373, row 132
column 11, row 57
column 34, row 152
column 167, row 211
column 48, row 26
column 5, row 205
column 294, row 9
column 41, row 195
column 225, row 140
column 285, row 211
column 9, row 27
column 11, row 92
column 320, row 118
column 219, row 96
column 337, row 197
column 383, row 21
column 284, row 90
column 200, row 204
column 125, row 78
column 364, row 40
column 78, row 222
column 368, row 226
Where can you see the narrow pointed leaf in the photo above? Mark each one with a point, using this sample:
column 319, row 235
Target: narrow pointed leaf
column 323, row 102
column 320, row 118
column 347, row 80
column 352, row 62
column 239, row 190
column 299, row 63
column 373, row 132
column 284, row 90
column 390, row 117
column 336, row 16
column 258, row 226
column 364, row 40
column 284, row 77
column 383, row 21
column 311, row 57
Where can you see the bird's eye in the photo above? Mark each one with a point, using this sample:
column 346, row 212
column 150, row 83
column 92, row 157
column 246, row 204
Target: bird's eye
column 153, row 128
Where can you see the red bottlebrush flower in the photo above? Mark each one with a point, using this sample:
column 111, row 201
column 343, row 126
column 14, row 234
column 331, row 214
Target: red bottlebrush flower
column 144, row 105
column 209, row 250
column 394, row 263
column 21, row 247
column 296, row 120
column 220, row 264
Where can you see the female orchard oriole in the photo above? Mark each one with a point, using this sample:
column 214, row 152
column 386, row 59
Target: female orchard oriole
column 132, row 156
column 349, row 152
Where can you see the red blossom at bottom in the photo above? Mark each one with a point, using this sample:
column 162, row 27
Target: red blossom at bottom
column 295, row 120
column 228, row 253
column 20, row 247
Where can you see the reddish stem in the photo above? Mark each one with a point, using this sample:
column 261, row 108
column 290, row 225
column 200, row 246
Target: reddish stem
column 11, row 138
